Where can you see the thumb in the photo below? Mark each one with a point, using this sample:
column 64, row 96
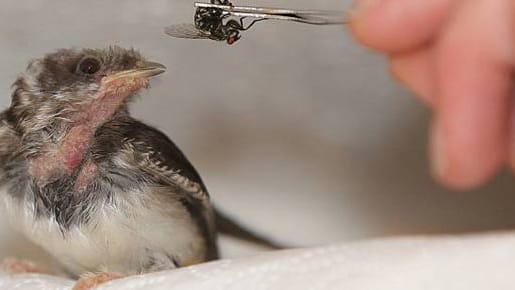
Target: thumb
column 398, row 25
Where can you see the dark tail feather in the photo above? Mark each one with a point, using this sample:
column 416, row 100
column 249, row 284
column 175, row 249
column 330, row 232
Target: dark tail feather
column 228, row 226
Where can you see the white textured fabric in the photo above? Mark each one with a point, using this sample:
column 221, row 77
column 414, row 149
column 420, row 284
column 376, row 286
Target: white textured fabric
column 452, row 262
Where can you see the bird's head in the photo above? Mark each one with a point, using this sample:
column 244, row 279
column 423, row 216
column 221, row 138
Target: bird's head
column 79, row 86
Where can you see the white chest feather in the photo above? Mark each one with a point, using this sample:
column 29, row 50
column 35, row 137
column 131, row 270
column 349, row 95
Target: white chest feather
column 125, row 241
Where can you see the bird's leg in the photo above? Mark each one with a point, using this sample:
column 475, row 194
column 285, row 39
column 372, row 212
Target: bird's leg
column 92, row 280
column 15, row 266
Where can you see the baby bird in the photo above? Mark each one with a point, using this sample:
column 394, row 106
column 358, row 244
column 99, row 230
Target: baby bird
column 100, row 191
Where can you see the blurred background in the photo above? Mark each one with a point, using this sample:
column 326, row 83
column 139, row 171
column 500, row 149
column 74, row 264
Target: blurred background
column 297, row 131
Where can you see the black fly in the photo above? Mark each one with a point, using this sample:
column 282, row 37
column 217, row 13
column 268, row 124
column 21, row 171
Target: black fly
column 212, row 23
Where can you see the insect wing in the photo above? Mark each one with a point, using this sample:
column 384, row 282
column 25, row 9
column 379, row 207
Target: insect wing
column 186, row 31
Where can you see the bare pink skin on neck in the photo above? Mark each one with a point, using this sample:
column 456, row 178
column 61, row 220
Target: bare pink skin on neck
column 73, row 147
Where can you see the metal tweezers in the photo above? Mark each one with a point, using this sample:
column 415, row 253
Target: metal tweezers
column 316, row 17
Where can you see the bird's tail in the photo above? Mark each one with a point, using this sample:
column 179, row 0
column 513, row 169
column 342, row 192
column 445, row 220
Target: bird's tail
column 228, row 226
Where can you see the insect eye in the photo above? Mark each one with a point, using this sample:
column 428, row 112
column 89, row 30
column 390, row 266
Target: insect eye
column 233, row 37
column 89, row 66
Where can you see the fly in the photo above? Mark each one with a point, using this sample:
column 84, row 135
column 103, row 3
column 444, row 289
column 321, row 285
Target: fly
column 222, row 21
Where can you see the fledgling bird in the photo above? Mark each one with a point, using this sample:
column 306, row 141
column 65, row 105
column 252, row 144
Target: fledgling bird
column 99, row 190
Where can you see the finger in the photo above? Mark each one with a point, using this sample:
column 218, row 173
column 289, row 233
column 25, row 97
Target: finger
column 474, row 76
column 416, row 70
column 398, row 25
column 512, row 130
column 512, row 123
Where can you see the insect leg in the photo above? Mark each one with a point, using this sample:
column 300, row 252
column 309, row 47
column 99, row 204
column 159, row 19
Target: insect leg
column 250, row 25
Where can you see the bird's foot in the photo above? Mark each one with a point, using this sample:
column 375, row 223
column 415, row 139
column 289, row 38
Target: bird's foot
column 90, row 281
column 15, row 266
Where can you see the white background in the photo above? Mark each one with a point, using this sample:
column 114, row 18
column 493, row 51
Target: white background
column 296, row 130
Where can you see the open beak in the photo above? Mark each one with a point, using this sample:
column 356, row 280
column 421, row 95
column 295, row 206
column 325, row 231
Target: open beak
column 143, row 70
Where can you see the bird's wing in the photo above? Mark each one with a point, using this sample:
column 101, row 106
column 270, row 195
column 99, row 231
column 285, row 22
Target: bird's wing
column 162, row 164
column 154, row 153
column 159, row 157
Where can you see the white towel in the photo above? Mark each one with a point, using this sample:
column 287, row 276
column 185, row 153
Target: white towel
column 412, row 263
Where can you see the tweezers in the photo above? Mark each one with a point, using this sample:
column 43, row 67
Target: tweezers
column 316, row 17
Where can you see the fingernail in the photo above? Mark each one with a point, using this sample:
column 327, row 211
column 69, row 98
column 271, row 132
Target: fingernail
column 361, row 6
column 437, row 150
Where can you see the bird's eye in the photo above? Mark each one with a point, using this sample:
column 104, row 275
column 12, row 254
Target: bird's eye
column 89, row 65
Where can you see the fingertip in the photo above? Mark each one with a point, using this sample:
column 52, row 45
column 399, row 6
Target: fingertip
column 449, row 172
column 397, row 25
column 463, row 183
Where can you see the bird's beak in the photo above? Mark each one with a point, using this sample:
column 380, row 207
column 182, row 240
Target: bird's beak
column 143, row 70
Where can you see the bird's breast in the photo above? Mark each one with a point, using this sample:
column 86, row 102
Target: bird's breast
column 127, row 237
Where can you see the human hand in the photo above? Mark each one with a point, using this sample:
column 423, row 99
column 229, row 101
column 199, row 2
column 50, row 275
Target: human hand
column 458, row 57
